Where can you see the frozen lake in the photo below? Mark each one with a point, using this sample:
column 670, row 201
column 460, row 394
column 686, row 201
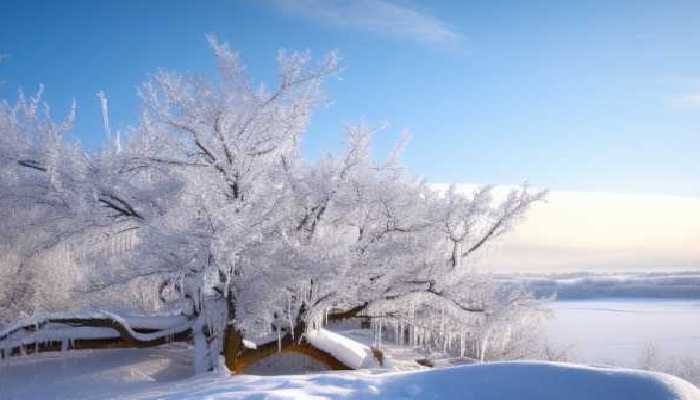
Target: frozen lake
column 617, row 331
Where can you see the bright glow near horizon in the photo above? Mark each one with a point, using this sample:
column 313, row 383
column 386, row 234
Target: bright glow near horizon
column 601, row 231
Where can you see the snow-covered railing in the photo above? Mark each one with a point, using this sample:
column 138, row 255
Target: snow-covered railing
column 91, row 329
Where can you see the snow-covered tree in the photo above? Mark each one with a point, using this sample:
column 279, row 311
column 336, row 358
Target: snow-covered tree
column 208, row 204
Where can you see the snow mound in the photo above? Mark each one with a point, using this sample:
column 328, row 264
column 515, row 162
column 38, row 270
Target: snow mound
column 165, row 373
column 353, row 354
column 494, row 381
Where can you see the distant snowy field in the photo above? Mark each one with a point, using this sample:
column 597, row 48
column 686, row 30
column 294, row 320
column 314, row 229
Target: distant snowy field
column 614, row 318
column 619, row 331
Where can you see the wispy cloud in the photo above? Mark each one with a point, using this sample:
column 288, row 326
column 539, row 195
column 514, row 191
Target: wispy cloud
column 689, row 100
column 384, row 17
column 4, row 57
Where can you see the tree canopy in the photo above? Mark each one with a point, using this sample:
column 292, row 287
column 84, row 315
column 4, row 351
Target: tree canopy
column 206, row 208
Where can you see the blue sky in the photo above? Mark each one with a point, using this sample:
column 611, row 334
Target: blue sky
column 587, row 96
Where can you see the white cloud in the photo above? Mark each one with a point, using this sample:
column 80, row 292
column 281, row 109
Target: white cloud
column 378, row 16
column 689, row 100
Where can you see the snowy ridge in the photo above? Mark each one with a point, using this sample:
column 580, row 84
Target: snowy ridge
column 672, row 285
column 353, row 354
column 521, row 380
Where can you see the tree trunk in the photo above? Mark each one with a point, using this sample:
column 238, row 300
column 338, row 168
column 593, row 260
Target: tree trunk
column 233, row 347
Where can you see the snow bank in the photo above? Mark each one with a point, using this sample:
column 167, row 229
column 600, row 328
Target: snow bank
column 162, row 373
column 353, row 354
column 496, row 381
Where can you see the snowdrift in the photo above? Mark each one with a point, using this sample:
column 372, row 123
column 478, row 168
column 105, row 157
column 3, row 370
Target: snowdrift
column 162, row 373
column 495, row 381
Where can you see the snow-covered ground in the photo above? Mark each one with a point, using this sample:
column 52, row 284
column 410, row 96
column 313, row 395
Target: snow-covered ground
column 93, row 374
column 602, row 331
column 496, row 381
column 162, row 374
column 618, row 331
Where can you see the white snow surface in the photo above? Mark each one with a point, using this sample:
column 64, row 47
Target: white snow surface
column 93, row 374
column 493, row 381
column 353, row 354
column 165, row 373
column 617, row 331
